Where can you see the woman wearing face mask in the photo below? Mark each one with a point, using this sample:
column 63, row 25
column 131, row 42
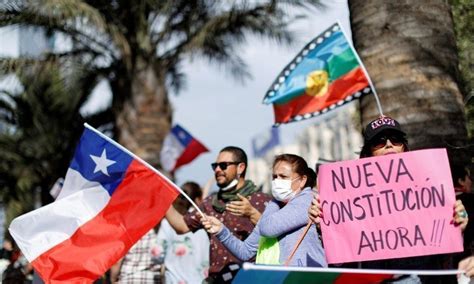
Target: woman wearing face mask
column 282, row 222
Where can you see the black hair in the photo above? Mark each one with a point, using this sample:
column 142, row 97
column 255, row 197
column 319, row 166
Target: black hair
column 458, row 172
column 239, row 156
column 193, row 190
column 299, row 166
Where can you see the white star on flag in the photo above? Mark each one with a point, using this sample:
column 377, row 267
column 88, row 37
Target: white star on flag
column 101, row 163
column 182, row 135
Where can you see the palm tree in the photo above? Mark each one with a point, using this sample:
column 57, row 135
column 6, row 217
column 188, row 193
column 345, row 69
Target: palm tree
column 139, row 48
column 410, row 52
column 42, row 123
column 463, row 14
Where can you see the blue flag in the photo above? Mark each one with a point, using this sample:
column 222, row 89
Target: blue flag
column 265, row 141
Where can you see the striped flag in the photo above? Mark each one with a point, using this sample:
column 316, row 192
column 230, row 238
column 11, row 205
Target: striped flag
column 109, row 200
column 254, row 273
column 179, row 148
column 326, row 74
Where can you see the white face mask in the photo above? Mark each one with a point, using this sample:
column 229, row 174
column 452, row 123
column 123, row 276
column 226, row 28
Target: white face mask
column 281, row 189
column 232, row 184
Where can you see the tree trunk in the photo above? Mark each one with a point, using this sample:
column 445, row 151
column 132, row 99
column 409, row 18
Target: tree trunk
column 409, row 50
column 145, row 119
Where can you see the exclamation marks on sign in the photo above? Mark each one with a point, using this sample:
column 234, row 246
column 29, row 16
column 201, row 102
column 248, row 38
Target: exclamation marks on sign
column 437, row 232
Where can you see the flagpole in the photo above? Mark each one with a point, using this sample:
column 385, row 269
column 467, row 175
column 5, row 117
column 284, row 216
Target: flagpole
column 379, row 106
column 146, row 164
column 297, row 245
column 260, row 267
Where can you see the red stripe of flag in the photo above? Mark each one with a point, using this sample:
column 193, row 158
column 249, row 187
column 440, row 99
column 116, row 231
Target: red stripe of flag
column 360, row 278
column 337, row 90
column 192, row 150
column 137, row 205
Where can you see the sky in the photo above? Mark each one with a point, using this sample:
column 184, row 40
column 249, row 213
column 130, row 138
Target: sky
column 219, row 110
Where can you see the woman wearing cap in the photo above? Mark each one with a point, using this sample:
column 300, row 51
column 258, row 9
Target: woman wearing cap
column 384, row 136
column 282, row 222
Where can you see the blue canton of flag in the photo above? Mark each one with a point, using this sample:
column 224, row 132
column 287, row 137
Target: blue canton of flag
column 98, row 160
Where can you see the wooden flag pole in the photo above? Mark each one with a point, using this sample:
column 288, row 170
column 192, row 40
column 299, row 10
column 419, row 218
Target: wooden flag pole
column 298, row 243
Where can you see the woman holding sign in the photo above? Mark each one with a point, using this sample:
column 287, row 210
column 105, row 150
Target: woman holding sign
column 384, row 136
column 282, row 222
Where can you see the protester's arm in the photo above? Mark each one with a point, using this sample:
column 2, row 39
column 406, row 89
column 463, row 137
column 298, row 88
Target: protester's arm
column 243, row 207
column 115, row 271
column 176, row 221
column 243, row 250
column 290, row 217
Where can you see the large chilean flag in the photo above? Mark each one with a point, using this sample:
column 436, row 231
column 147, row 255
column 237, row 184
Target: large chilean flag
column 110, row 199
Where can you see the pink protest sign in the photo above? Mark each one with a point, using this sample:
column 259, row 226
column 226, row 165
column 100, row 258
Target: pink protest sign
column 388, row 207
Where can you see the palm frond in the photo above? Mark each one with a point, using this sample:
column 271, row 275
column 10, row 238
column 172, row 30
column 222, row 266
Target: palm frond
column 77, row 19
column 213, row 31
column 102, row 117
column 176, row 79
column 10, row 65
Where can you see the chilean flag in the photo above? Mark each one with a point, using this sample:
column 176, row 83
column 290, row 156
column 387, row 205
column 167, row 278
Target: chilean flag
column 179, row 148
column 110, row 199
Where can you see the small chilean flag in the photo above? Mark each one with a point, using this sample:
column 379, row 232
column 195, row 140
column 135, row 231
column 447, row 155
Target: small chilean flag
column 110, row 199
column 180, row 148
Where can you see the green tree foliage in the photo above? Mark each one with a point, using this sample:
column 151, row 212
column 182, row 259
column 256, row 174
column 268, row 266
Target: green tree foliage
column 41, row 123
column 139, row 48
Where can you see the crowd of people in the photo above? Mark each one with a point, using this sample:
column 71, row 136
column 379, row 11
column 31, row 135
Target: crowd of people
column 241, row 223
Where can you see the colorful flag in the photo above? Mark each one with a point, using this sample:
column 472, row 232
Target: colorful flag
column 180, row 148
column 265, row 141
column 110, row 199
column 254, row 273
column 324, row 75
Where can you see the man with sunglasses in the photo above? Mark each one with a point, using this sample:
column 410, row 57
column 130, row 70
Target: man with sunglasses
column 238, row 204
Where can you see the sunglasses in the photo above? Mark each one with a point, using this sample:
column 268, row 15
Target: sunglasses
column 223, row 165
column 380, row 142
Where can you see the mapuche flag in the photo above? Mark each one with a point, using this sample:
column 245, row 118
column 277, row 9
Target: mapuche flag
column 110, row 199
column 324, row 75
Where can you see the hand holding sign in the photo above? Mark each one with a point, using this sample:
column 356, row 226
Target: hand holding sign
column 388, row 207
column 460, row 215
column 314, row 211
